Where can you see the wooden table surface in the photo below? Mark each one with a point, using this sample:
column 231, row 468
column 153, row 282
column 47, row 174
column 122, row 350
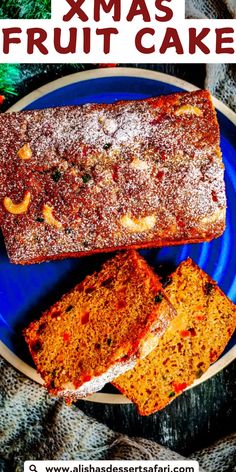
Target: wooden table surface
column 194, row 420
column 200, row 415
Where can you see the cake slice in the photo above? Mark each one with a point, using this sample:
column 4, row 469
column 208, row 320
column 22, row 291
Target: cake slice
column 80, row 180
column 195, row 338
column 101, row 328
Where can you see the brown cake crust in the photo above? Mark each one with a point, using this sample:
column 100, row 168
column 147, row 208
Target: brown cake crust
column 94, row 178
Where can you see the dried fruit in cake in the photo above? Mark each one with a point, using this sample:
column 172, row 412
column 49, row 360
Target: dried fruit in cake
column 131, row 174
column 100, row 328
column 195, row 338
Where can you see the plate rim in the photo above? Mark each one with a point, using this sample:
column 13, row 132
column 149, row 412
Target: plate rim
column 115, row 72
column 93, row 74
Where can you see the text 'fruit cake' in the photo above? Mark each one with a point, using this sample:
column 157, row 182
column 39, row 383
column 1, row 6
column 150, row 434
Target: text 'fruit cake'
column 79, row 180
column 101, row 328
column 195, row 338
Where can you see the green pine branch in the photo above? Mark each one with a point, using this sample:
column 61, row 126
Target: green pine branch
column 10, row 76
column 38, row 9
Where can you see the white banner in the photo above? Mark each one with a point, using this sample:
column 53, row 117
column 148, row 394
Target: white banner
column 111, row 466
column 116, row 31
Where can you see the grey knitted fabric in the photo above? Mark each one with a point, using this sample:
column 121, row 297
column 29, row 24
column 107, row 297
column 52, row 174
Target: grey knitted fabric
column 36, row 426
column 220, row 457
column 220, row 78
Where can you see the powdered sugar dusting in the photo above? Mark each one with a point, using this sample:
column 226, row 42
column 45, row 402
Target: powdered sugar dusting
column 96, row 164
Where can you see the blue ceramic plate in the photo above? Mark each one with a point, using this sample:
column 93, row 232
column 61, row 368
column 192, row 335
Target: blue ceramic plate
column 26, row 291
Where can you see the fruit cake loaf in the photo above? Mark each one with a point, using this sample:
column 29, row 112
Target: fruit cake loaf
column 79, row 180
column 100, row 328
column 196, row 337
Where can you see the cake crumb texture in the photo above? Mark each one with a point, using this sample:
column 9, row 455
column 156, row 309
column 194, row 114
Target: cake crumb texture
column 195, row 338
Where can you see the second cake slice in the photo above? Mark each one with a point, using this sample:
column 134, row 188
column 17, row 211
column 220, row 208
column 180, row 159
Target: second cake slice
column 101, row 328
column 195, row 338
